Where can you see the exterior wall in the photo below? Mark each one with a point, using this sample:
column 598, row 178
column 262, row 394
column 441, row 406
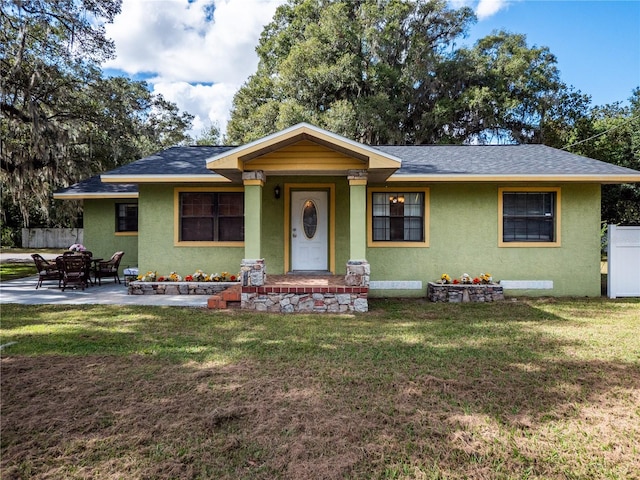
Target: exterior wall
column 156, row 230
column 100, row 232
column 463, row 234
column 463, row 238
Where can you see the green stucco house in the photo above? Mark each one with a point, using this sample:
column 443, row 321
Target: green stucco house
column 388, row 219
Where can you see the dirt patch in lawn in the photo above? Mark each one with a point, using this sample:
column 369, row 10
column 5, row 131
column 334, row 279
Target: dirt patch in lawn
column 140, row 417
column 114, row 417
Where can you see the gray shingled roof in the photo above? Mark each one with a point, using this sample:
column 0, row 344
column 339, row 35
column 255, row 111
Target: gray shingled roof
column 95, row 186
column 469, row 160
column 172, row 161
column 417, row 160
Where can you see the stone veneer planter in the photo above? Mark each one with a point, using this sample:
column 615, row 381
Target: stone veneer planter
column 438, row 292
column 281, row 299
column 178, row 288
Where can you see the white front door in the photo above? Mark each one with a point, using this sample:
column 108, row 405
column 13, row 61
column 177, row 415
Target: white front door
column 309, row 230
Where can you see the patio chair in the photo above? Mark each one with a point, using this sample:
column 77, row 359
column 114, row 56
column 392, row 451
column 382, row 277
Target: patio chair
column 74, row 271
column 109, row 268
column 46, row 270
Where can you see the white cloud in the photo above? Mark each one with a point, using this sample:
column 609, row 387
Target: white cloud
column 208, row 103
column 198, row 59
column 193, row 58
column 488, row 8
column 483, row 8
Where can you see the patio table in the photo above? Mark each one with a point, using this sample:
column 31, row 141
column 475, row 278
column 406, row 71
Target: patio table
column 89, row 262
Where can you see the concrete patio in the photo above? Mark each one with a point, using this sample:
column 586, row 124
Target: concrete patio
column 22, row 291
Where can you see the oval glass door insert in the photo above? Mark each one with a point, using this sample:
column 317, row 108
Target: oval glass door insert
column 310, row 219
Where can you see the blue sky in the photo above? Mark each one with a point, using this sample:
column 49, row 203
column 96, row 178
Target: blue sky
column 198, row 57
column 597, row 43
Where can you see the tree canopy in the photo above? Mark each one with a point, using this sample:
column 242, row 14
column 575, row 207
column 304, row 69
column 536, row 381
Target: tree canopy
column 611, row 133
column 62, row 120
column 390, row 71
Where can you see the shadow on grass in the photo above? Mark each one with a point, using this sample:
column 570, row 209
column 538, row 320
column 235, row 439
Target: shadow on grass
column 447, row 391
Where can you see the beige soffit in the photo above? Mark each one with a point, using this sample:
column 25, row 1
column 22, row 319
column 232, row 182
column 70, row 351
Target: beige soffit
column 209, row 178
column 233, row 162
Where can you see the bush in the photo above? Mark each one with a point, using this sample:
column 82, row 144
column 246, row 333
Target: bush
column 11, row 237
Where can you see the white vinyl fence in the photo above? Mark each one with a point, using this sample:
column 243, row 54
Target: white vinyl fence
column 51, row 237
column 623, row 261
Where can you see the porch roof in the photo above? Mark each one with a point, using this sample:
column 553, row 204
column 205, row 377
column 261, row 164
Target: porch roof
column 349, row 155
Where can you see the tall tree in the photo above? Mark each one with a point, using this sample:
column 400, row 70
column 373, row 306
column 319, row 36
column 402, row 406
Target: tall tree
column 611, row 133
column 61, row 120
column 366, row 69
column 514, row 92
column 389, row 71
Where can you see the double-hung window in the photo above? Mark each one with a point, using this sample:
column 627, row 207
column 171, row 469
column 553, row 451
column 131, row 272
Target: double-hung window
column 126, row 218
column 211, row 216
column 529, row 217
column 398, row 216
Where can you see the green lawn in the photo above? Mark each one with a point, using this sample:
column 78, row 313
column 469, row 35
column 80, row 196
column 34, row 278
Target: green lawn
column 11, row 271
column 520, row 389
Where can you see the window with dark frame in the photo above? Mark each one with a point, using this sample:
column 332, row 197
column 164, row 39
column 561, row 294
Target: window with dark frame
column 126, row 217
column 398, row 216
column 211, row 217
column 529, row 216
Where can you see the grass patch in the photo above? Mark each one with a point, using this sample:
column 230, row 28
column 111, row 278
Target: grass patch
column 523, row 389
column 59, row 251
column 11, row 271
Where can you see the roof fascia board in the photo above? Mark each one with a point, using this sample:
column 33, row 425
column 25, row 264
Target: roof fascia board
column 97, row 195
column 602, row 179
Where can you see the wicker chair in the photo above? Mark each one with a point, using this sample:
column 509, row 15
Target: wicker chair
column 46, row 270
column 74, row 271
column 109, row 268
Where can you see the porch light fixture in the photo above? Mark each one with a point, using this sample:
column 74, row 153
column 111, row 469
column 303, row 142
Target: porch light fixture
column 396, row 199
column 276, row 192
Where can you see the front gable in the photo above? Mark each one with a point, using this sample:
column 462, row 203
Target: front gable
column 304, row 150
column 305, row 156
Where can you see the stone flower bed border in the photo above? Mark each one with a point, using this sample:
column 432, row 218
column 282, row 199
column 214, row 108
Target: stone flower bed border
column 178, row 288
column 462, row 293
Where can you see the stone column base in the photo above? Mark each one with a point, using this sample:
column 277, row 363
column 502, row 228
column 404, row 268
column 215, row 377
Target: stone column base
column 253, row 272
column 358, row 273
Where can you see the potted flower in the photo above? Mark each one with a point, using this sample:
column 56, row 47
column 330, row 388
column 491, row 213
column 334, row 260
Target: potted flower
column 445, row 278
column 174, row 277
column 148, row 277
column 486, row 278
